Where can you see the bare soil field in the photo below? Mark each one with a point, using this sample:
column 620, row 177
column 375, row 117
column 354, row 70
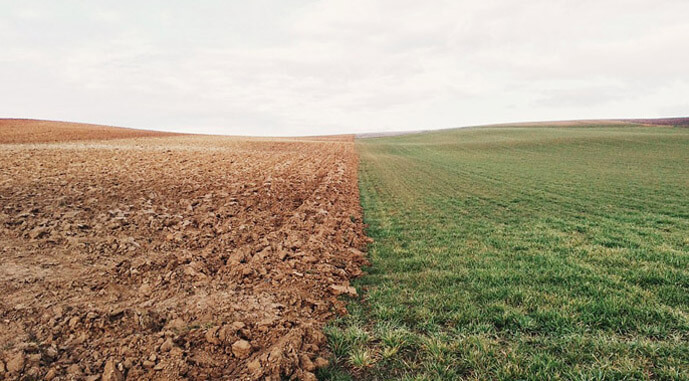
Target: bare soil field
column 37, row 131
column 175, row 257
column 678, row 122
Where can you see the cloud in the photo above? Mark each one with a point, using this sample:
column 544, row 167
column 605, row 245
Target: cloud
column 312, row 67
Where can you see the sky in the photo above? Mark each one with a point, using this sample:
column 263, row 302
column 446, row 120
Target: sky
column 302, row 67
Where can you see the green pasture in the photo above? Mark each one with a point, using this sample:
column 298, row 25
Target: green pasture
column 522, row 253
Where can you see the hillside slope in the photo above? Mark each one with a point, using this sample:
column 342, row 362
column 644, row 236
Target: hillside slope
column 43, row 131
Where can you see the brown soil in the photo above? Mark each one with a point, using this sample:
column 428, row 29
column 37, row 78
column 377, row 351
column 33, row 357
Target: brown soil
column 41, row 131
column 676, row 122
column 179, row 257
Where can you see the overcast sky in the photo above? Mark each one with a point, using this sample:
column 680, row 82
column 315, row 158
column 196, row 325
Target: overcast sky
column 277, row 67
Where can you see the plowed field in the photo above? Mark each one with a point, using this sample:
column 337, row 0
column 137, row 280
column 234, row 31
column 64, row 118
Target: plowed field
column 173, row 257
column 40, row 131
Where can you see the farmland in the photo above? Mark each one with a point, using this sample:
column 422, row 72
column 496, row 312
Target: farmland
column 522, row 253
column 42, row 131
column 144, row 255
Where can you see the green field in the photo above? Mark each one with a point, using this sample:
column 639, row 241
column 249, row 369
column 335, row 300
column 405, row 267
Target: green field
column 522, row 253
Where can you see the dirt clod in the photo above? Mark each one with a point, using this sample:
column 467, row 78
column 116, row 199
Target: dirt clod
column 167, row 345
column 111, row 373
column 16, row 362
column 241, row 349
column 254, row 366
column 74, row 370
column 346, row 290
column 50, row 375
column 320, row 362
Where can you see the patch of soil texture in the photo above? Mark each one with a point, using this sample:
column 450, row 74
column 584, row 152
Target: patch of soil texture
column 184, row 257
column 41, row 131
column 677, row 122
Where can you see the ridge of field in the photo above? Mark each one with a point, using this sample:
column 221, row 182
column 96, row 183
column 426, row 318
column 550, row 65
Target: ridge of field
column 522, row 253
column 659, row 122
column 174, row 257
column 676, row 122
column 13, row 131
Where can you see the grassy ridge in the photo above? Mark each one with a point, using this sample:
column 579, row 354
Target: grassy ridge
column 504, row 253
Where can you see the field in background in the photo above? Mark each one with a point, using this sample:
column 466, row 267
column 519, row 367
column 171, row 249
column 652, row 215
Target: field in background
column 530, row 253
column 42, row 131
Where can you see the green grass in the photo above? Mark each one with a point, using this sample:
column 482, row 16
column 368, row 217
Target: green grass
column 522, row 253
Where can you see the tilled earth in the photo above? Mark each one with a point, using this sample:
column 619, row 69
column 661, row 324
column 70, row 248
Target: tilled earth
column 41, row 131
column 174, row 257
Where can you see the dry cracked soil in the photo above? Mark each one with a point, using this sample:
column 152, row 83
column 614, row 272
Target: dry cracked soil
column 142, row 255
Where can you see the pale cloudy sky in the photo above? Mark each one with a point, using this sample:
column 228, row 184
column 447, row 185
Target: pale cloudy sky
column 277, row 67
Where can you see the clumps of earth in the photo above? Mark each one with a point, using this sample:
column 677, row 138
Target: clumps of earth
column 175, row 257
